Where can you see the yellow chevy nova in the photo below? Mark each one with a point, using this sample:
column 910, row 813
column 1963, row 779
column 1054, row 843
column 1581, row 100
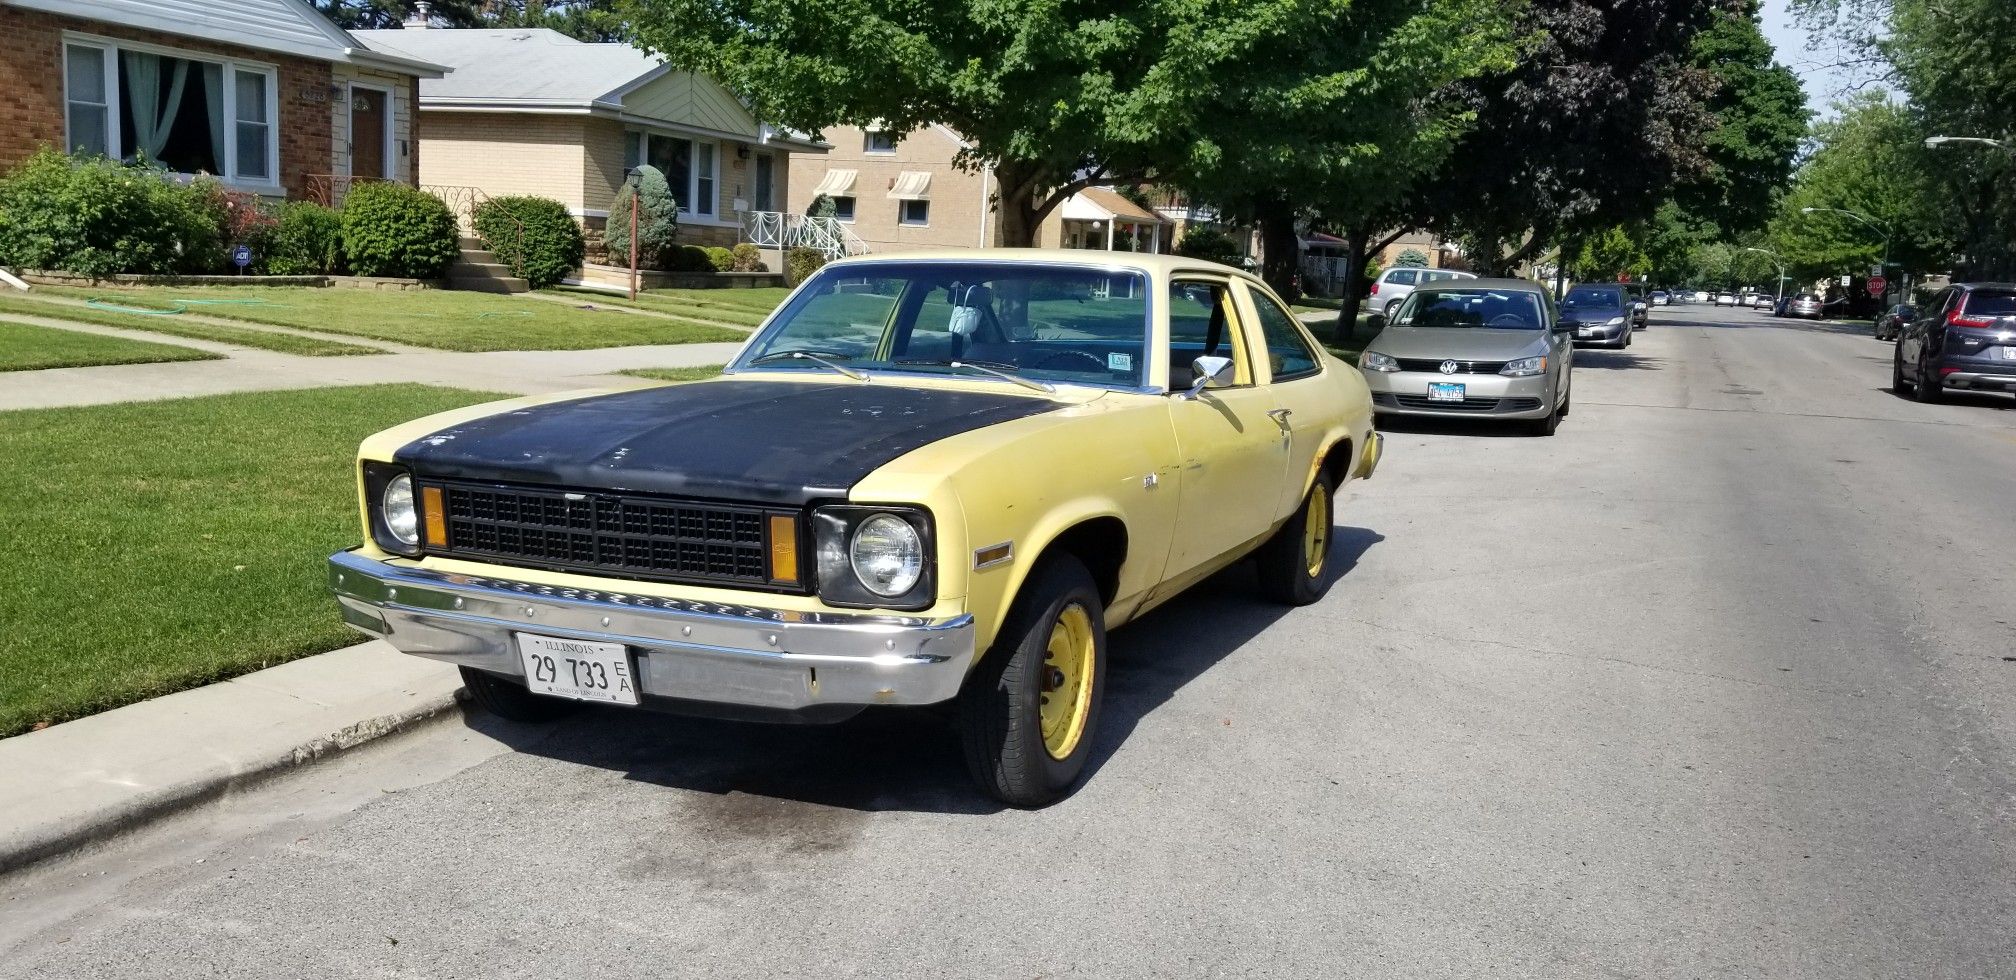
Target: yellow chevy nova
column 927, row 478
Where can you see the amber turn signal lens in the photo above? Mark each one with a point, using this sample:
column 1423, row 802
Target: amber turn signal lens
column 783, row 548
column 434, row 517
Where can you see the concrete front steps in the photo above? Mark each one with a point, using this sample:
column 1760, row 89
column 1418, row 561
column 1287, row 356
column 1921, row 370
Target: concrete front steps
column 479, row 271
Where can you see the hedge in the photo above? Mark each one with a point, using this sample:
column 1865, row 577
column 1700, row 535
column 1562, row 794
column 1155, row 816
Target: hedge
column 657, row 220
column 801, row 262
column 398, row 231
column 748, row 258
column 98, row 217
column 553, row 245
column 307, row 241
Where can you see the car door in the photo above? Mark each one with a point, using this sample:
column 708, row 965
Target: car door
column 1232, row 452
column 1911, row 341
column 1293, row 370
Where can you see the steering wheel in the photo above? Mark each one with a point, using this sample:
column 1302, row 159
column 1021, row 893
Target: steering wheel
column 1045, row 363
column 1507, row 320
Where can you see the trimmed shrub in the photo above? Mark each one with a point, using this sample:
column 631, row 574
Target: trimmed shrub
column 801, row 262
column 720, row 259
column 748, row 258
column 306, row 241
column 553, row 245
column 1210, row 244
column 1412, row 258
column 691, row 258
column 98, row 217
column 822, row 207
column 397, row 231
column 657, row 221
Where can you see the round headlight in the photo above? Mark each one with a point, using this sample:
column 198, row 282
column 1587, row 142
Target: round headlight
column 887, row 555
column 401, row 518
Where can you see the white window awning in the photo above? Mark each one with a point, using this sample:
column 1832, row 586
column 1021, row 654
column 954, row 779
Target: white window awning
column 836, row 183
column 912, row 185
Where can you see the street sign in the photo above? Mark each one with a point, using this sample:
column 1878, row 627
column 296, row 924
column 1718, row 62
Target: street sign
column 1847, row 280
column 1876, row 285
column 241, row 255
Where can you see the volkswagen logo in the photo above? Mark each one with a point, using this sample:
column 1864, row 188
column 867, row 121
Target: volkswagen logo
column 1448, row 367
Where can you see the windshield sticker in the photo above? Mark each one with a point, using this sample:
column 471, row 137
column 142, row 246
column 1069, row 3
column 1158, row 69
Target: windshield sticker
column 1119, row 362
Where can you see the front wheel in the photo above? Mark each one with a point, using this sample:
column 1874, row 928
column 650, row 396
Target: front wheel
column 1028, row 712
column 1546, row 424
column 1293, row 563
column 1897, row 382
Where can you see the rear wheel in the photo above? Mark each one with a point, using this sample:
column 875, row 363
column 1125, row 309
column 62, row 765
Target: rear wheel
column 1926, row 385
column 511, row 701
column 1293, row 563
column 1028, row 712
column 1391, row 305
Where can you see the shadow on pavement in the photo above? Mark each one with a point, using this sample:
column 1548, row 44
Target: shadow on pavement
column 1600, row 359
column 1968, row 399
column 910, row 758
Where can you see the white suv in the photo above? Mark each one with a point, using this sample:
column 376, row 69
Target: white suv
column 1393, row 285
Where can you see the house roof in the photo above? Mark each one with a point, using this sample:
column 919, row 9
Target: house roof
column 288, row 27
column 1101, row 204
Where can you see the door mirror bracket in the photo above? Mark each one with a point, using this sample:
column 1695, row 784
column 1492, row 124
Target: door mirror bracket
column 1210, row 372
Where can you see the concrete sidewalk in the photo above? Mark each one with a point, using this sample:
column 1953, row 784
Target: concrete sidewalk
column 245, row 369
column 85, row 780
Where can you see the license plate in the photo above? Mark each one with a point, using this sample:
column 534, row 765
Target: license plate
column 2009, row 353
column 1585, row 331
column 1443, row 391
column 579, row 670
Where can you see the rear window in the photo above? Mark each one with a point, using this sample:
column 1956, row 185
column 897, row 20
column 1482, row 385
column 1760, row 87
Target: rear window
column 1991, row 304
column 1403, row 277
column 1593, row 298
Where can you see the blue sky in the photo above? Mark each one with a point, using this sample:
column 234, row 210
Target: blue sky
column 1824, row 84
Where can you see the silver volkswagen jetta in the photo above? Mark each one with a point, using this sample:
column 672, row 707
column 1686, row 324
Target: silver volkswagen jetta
column 1479, row 348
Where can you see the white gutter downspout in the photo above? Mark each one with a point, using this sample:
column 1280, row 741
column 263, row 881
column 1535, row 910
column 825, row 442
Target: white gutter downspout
column 986, row 179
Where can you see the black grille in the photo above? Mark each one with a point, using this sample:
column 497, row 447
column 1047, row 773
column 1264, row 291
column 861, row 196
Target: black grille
column 621, row 535
column 1462, row 367
column 1477, row 405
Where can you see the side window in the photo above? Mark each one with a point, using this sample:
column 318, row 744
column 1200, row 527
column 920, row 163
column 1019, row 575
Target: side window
column 1202, row 321
column 1403, row 277
column 1288, row 351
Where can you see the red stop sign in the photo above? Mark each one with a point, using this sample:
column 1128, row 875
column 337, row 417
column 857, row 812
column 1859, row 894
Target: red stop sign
column 1877, row 284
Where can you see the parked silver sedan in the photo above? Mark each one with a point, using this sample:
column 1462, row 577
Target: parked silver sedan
column 1477, row 348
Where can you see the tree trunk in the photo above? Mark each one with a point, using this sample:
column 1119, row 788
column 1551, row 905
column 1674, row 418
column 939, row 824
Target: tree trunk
column 1355, row 240
column 1019, row 212
column 1280, row 248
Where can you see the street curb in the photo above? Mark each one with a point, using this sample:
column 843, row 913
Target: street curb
column 43, row 839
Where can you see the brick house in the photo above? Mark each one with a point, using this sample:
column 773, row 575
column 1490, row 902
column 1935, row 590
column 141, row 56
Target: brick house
column 904, row 191
column 533, row 111
column 267, row 95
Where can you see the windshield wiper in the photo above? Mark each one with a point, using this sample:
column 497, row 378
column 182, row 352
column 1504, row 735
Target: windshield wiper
column 816, row 357
column 1005, row 372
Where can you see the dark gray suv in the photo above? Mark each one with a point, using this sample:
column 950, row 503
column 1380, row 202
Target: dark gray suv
column 1964, row 339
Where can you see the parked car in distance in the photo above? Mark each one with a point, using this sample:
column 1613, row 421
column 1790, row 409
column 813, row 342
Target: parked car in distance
column 1480, row 348
column 1805, row 306
column 1641, row 303
column 1660, row 297
column 1762, row 301
column 1725, row 299
column 1703, row 296
column 934, row 478
column 1393, row 285
column 1891, row 321
column 1597, row 313
column 1965, row 339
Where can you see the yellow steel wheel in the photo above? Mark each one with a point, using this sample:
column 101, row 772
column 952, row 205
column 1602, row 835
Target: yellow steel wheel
column 1068, row 664
column 1316, row 530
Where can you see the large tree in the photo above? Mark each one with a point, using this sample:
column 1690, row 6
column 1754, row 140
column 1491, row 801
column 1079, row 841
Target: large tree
column 1870, row 161
column 589, row 20
column 1757, row 112
column 1054, row 97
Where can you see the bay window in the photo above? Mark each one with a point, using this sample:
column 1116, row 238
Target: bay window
column 189, row 114
column 691, row 167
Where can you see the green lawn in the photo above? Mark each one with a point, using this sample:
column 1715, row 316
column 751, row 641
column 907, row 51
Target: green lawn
column 176, row 326
column 154, row 546
column 445, row 319
column 25, row 347
column 700, row 373
column 739, row 307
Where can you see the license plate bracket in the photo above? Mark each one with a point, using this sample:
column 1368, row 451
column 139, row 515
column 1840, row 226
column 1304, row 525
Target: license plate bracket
column 578, row 670
column 1445, row 391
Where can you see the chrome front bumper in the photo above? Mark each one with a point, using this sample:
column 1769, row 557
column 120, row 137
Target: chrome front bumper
column 700, row 652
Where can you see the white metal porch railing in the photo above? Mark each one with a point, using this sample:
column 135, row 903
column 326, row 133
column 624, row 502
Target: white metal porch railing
column 783, row 229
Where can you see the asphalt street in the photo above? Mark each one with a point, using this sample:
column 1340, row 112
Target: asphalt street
column 1717, row 682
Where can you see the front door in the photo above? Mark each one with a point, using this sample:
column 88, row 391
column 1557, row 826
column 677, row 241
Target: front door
column 1232, row 455
column 765, row 178
column 368, row 115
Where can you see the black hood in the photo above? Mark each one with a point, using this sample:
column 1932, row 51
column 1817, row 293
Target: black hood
column 759, row 441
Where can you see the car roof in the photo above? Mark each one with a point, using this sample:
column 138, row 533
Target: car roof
column 1501, row 285
column 1596, row 285
column 1149, row 262
column 1971, row 286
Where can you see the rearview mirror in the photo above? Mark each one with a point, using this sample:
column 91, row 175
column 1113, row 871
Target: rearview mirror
column 1210, row 372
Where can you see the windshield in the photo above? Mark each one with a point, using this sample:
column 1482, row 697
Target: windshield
column 1492, row 309
column 1038, row 322
column 1590, row 299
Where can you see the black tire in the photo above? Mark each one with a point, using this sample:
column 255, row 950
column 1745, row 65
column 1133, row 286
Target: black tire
column 1925, row 386
column 1000, row 708
column 1546, row 424
column 1289, row 573
column 1567, row 401
column 1897, row 382
column 510, row 700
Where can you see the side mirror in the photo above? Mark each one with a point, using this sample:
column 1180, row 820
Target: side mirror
column 1210, row 372
column 1377, row 321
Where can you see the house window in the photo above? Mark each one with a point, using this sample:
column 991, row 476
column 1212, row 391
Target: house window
column 914, row 212
column 843, row 208
column 691, row 167
column 190, row 115
column 878, row 141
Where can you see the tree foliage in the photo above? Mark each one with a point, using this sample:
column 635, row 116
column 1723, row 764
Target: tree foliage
column 657, row 220
column 588, row 20
column 1758, row 113
column 1871, row 161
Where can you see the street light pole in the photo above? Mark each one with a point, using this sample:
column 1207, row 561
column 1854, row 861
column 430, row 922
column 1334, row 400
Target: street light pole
column 1777, row 260
column 636, row 193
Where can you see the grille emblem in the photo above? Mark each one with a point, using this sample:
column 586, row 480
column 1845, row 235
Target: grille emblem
column 1448, row 367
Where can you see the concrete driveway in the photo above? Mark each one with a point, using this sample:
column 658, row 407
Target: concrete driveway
column 1715, row 683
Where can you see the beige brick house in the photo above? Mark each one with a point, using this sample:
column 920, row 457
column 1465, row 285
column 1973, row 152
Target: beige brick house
column 530, row 111
column 266, row 95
